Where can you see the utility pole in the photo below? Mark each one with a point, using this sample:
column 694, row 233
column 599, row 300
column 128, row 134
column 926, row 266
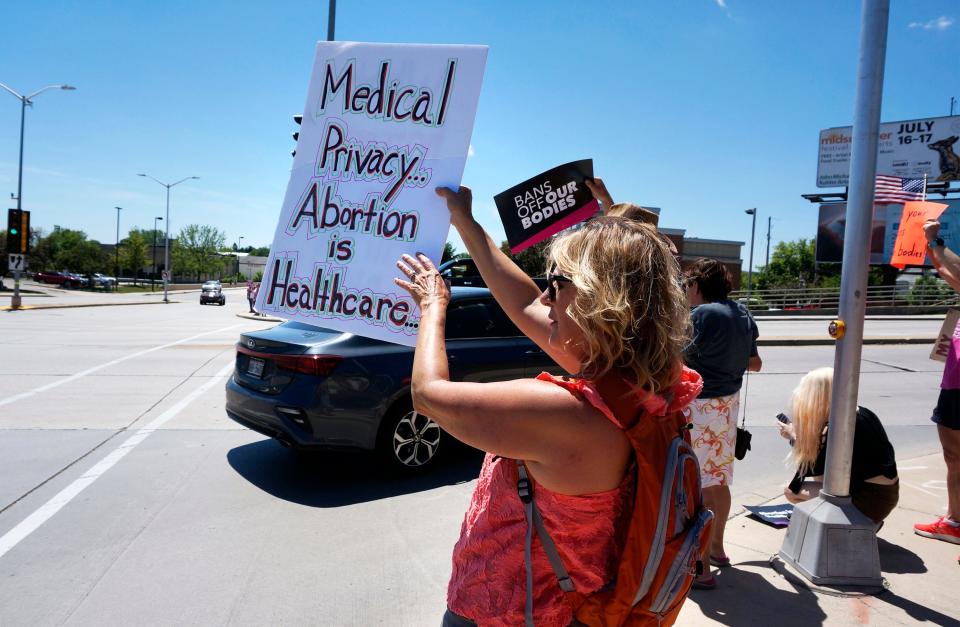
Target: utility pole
column 769, row 220
column 829, row 526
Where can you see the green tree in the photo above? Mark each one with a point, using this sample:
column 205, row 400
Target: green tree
column 195, row 251
column 68, row 249
column 532, row 260
column 133, row 253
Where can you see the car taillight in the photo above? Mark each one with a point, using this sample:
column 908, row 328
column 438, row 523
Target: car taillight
column 315, row 365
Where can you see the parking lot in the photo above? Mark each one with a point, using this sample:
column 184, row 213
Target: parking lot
column 130, row 498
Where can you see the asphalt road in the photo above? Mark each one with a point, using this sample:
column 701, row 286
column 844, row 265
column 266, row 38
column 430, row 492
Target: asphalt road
column 127, row 496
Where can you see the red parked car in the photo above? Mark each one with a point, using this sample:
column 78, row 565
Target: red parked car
column 64, row 279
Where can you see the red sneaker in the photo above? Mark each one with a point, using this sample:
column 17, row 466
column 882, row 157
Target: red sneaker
column 940, row 530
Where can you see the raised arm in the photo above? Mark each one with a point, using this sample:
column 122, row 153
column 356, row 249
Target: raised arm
column 946, row 261
column 517, row 294
column 526, row 419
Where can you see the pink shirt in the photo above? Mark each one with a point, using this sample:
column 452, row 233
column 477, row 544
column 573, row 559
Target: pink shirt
column 488, row 584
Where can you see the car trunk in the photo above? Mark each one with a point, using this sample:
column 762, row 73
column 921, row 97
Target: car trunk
column 269, row 360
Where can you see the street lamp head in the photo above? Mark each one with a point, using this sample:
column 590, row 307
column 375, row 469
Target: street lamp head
column 141, row 175
column 68, row 87
column 118, row 208
column 750, row 212
column 159, row 218
column 195, row 177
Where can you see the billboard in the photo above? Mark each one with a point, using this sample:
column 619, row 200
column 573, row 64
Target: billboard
column 908, row 149
column 883, row 234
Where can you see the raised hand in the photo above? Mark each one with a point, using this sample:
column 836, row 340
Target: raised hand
column 424, row 282
column 460, row 203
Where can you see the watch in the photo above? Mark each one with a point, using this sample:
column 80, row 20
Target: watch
column 939, row 242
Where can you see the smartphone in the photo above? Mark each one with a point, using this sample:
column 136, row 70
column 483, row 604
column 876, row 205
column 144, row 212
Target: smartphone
column 785, row 419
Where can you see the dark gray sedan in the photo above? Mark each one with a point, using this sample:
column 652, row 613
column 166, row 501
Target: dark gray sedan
column 314, row 389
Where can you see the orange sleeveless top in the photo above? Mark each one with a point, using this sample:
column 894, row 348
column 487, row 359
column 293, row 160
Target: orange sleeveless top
column 488, row 584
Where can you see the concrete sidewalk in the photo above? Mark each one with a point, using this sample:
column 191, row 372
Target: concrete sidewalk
column 923, row 575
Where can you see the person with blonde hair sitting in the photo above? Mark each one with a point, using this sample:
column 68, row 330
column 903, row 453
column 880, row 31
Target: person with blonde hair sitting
column 874, row 485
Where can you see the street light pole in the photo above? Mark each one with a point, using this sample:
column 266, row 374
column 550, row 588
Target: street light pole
column 116, row 250
column 753, row 232
column 166, row 239
column 24, row 102
column 153, row 276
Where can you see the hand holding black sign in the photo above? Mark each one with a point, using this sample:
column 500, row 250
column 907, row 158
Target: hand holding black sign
column 546, row 204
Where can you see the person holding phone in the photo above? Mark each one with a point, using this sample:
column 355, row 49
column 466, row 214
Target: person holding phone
column 874, row 485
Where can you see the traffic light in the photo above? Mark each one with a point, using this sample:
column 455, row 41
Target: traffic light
column 298, row 118
column 18, row 232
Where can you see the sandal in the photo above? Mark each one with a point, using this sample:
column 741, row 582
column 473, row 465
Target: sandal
column 720, row 561
column 705, row 584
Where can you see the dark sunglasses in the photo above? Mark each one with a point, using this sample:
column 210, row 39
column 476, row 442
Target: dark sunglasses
column 553, row 284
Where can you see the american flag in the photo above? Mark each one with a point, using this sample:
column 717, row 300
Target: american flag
column 897, row 190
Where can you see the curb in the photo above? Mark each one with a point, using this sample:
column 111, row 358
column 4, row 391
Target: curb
column 818, row 341
column 263, row 318
column 72, row 306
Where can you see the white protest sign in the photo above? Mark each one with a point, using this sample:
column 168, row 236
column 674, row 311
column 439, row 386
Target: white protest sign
column 383, row 126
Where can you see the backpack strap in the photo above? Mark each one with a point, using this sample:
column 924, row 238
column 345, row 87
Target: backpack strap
column 535, row 520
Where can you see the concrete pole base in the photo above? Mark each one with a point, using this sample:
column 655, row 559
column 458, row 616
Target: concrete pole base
column 830, row 542
column 15, row 301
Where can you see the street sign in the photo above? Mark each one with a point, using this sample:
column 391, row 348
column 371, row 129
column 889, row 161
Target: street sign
column 17, row 262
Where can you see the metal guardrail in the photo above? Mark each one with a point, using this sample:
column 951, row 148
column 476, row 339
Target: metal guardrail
column 917, row 296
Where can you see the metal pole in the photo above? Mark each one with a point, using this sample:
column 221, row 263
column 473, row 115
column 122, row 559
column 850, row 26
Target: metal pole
column 829, row 525
column 153, row 276
column 331, row 19
column 753, row 232
column 166, row 249
column 856, row 249
column 769, row 220
column 116, row 250
column 23, row 115
column 16, row 300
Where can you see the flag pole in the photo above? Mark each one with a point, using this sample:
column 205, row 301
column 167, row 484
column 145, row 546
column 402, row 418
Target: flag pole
column 829, row 541
column 923, row 197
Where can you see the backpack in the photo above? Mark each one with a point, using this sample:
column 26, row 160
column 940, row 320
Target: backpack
column 668, row 530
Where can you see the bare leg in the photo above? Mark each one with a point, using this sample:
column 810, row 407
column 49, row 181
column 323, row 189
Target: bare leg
column 950, row 439
column 717, row 498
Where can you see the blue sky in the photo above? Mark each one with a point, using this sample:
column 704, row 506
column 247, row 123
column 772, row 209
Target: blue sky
column 701, row 107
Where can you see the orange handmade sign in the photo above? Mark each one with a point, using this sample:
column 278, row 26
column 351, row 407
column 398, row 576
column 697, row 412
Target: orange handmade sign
column 911, row 245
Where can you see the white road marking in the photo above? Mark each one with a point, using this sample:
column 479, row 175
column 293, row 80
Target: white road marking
column 83, row 373
column 935, row 484
column 921, row 489
column 911, row 468
column 32, row 522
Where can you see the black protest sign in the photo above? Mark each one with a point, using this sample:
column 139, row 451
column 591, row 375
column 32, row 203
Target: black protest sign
column 773, row 515
column 546, row 204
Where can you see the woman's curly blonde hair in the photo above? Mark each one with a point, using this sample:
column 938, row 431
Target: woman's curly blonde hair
column 629, row 302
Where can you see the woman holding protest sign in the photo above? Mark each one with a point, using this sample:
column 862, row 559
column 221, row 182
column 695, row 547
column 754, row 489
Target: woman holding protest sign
column 614, row 316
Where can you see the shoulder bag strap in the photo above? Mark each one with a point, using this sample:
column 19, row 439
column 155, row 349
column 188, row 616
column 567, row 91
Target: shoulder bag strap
column 534, row 520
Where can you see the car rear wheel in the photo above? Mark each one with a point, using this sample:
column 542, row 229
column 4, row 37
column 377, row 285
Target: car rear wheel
column 408, row 440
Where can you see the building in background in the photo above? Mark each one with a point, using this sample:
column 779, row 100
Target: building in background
column 690, row 249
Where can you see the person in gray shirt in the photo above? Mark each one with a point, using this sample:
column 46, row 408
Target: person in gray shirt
column 724, row 346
